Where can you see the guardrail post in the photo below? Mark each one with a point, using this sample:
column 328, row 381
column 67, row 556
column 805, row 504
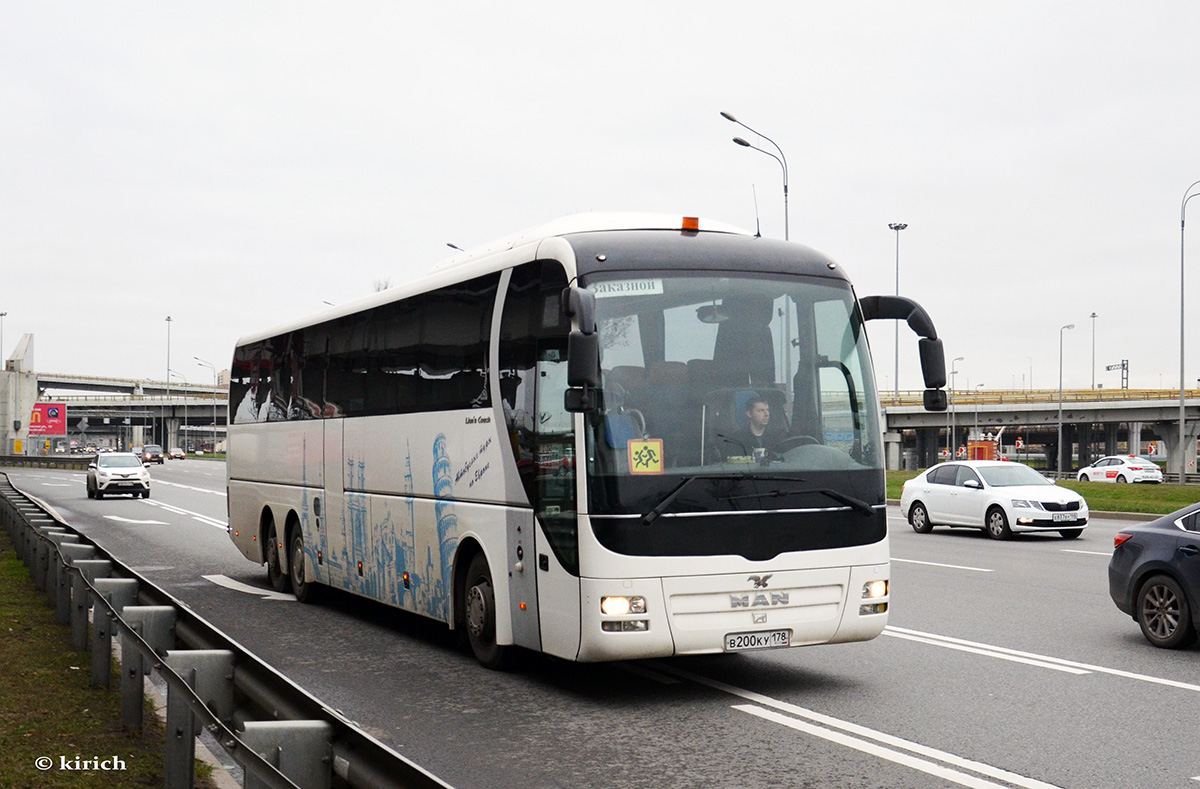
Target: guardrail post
column 40, row 567
column 29, row 530
column 88, row 571
column 180, row 750
column 209, row 673
column 68, row 552
column 118, row 592
column 52, row 571
column 131, row 678
column 300, row 750
column 159, row 625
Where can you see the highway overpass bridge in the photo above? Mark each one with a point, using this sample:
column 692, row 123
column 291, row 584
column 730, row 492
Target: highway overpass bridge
column 117, row 412
column 1095, row 422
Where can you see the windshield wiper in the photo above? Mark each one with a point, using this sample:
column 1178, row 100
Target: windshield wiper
column 858, row 505
column 661, row 507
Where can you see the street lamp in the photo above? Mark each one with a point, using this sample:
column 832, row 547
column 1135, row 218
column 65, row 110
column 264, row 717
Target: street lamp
column 953, row 445
column 1060, row 394
column 185, row 407
column 897, row 226
column 3, row 365
column 1030, row 359
column 977, row 388
column 167, row 405
column 780, row 158
column 1188, row 194
column 212, row 367
column 1093, row 317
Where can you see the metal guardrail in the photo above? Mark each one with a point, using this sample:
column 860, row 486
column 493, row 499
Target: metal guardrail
column 965, row 398
column 279, row 734
column 58, row 460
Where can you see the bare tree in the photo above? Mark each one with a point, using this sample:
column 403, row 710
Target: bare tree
column 382, row 284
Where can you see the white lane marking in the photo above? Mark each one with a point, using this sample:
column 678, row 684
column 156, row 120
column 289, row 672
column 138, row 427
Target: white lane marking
column 55, row 485
column 987, row 652
column 948, row 641
column 950, row 566
column 862, row 731
column 238, row 586
column 907, row 760
column 1089, row 553
column 206, row 520
column 131, row 520
column 190, row 487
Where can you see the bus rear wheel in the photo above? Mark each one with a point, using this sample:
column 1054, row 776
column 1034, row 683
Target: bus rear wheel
column 479, row 603
column 275, row 573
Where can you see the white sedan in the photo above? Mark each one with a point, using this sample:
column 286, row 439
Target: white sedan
column 1121, row 468
column 999, row 497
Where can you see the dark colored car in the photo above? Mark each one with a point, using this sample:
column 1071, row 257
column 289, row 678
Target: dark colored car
column 152, row 453
column 1154, row 576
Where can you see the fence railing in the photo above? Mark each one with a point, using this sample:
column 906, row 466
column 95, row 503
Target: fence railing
column 277, row 732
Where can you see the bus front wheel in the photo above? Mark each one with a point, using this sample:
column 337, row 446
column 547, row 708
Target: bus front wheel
column 480, row 608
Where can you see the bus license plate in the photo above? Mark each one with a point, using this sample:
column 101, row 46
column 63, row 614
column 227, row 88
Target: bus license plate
column 1064, row 516
column 766, row 639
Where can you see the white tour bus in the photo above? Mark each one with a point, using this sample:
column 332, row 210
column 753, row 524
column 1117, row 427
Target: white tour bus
column 547, row 442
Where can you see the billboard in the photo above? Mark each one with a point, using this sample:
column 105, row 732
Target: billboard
column 48, row 419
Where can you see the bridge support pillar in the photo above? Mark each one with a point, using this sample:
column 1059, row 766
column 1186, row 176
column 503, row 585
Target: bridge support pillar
column 1112, row 431
column 1134, row 441
column 1085, row 443
column 928, row 446
column 1179, row 457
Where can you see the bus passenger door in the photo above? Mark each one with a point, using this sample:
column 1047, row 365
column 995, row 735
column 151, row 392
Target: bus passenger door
column 555, row 511
column 532, row 347
column 332, row 541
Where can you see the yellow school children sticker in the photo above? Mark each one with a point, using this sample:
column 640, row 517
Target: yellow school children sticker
column 646, row 456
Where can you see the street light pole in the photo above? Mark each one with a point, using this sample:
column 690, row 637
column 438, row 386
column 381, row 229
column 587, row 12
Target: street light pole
column 185, row 410
column 977, row 388
column 1060, row 395
column 212, row 367
column 3, row 364
column 167, row 404
column 780, row 158
column 1188, row 194
column 1093, row 316
column 897, row 226
column 952, row 443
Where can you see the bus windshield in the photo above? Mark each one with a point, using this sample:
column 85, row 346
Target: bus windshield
column 755, row 391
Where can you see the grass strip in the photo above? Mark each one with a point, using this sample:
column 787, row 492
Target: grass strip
column 48, row 708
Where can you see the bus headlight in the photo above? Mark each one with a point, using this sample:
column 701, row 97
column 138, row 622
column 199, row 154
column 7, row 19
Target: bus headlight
column 873, row 590
column 619, row 606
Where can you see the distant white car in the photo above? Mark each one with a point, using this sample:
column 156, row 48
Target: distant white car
column 997, row 496
column 1121, row 468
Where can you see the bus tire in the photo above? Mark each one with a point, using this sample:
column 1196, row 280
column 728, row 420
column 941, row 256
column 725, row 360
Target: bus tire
column 275, row 574
column 306, row 591
column 479, row 604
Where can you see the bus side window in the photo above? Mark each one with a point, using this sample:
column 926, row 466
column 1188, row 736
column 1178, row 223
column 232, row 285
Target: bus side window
column 531, row 328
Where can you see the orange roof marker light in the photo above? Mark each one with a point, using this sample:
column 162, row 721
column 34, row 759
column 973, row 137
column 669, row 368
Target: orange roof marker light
column 691, row 223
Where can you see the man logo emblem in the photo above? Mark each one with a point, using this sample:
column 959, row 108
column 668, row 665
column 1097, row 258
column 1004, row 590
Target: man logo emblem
column 760, row 581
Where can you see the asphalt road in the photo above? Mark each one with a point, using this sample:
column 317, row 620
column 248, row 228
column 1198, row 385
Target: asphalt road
column 1004, row 664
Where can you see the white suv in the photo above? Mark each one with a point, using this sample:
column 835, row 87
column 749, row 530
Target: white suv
column 117, row 472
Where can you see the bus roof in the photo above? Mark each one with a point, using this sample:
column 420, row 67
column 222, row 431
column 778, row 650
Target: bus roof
column 599, row 241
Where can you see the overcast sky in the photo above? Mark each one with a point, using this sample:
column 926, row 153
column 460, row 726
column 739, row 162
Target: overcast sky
column 236, row 165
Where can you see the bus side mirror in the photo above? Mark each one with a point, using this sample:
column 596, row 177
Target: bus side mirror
column 583, row 359
column 935, row 400
column 933, row 362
